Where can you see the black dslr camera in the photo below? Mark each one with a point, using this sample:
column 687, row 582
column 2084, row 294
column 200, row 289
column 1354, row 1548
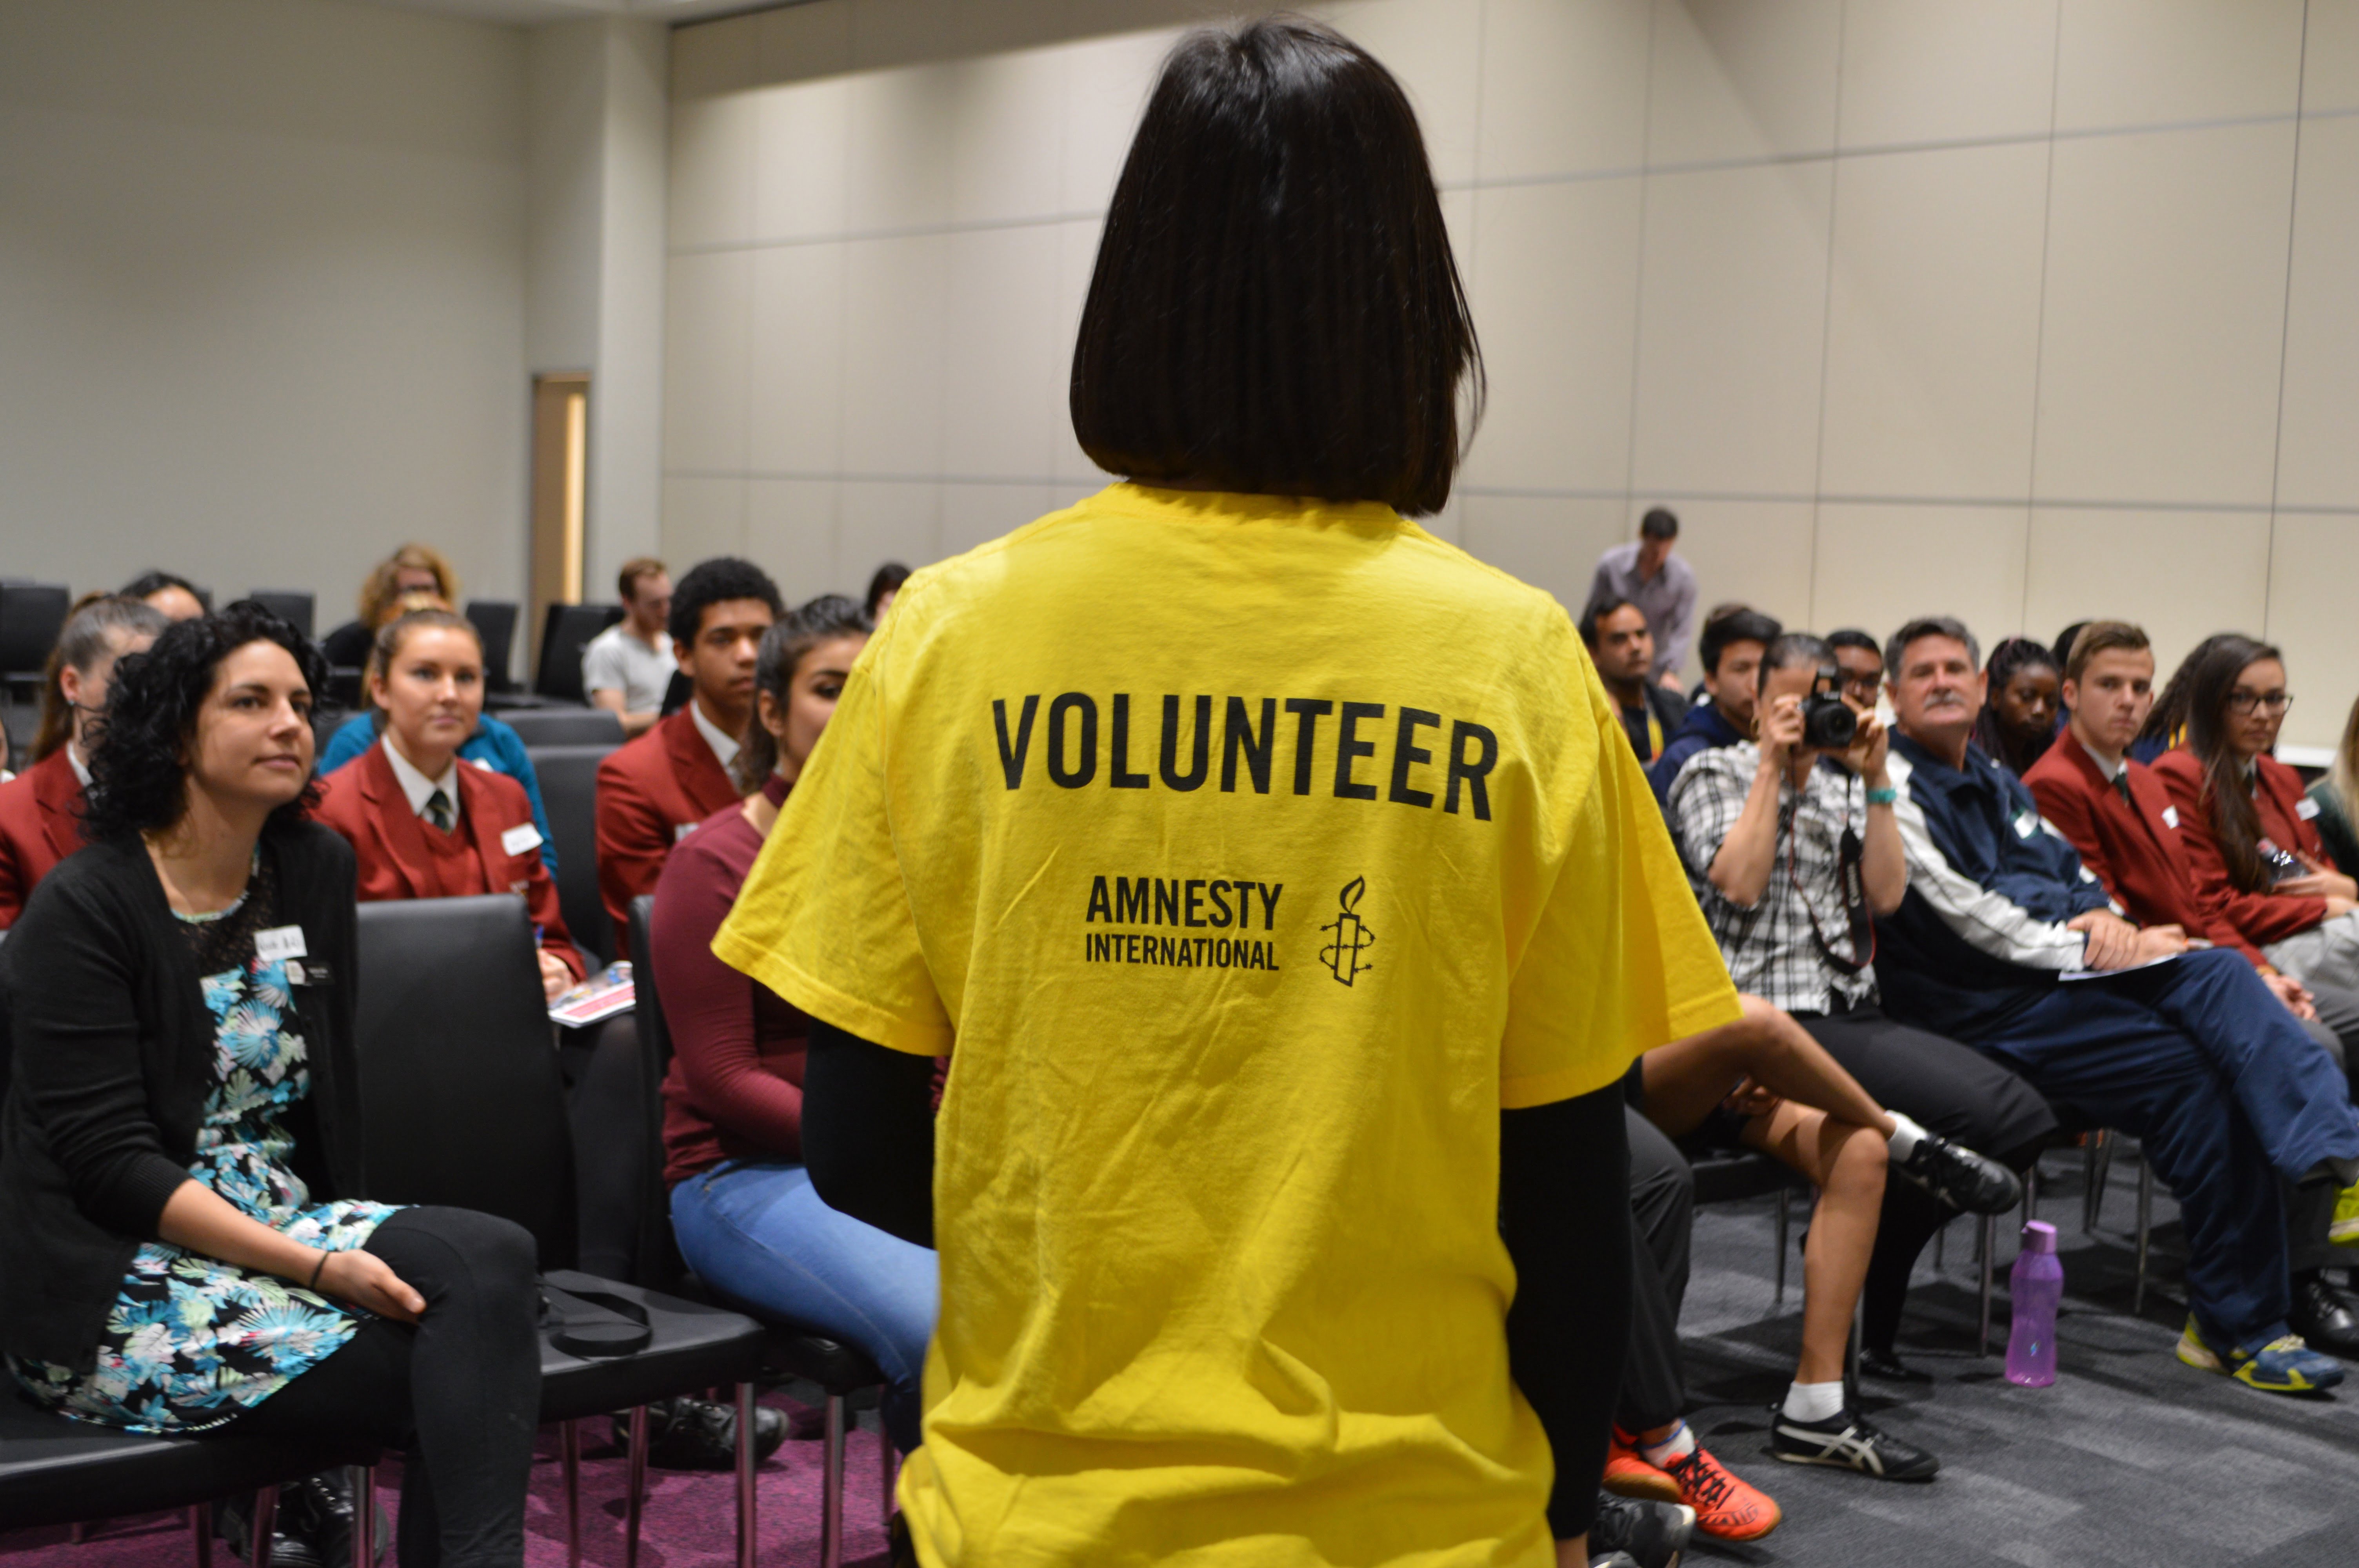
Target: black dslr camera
column 1828, row 722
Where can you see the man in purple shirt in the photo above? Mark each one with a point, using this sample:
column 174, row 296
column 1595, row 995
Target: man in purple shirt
column 1647, row 575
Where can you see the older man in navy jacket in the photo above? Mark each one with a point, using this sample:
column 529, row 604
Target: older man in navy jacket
column 2193, row 1056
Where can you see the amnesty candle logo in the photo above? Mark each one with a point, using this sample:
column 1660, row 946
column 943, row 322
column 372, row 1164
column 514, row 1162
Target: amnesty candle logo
column 1351, row 935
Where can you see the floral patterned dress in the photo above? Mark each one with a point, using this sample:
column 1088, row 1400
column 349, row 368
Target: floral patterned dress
column 192, row 1342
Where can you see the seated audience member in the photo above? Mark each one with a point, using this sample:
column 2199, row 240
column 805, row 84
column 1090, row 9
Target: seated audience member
column 40, row 810
column 2337, row 794
column 7, row 757
column 1731, row 648
column 2117, row 813
column 185, row 1255
column 422, row 825
column 2166, row 726
column 1614, row 631
column 741, row 1203
column 626, row 668
column 1860, row 660
column 655, row 791
column 1764, row 827
column 2061, row 650
column 2247, row 823
column 1646, row 573
column 413, row 569
column 2018, row 721
column 2194, row 1057
column 493, row 744
column 883, row 587
column 174, row 598
column 1654, row 1454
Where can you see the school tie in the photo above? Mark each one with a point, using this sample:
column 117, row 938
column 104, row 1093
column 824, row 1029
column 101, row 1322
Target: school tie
column 437, row 810
column 2122, row 782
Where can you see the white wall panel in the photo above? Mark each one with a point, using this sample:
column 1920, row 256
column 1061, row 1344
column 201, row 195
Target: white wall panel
column 1564, row 87
column 1736, row 79
column 2315, row 561
column 2317, row 453
column 1757, row 552
column 1876, row 567
column 2158, row 62
column 1006, row 357
column 1548, row 542
column 790, row 529
column 1938, row 70
column 801, row 179
column 895, row 292
column 2180, row 575
column 795, row 378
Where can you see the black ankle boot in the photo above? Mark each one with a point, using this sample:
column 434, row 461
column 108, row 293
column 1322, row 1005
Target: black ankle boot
column 234, row 1522
column 702, row 1434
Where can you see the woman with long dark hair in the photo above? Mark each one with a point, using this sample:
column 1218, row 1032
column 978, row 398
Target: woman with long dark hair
column 2248, row 826
column 1283, row 891
column 190, row 1250
column 2018, row 720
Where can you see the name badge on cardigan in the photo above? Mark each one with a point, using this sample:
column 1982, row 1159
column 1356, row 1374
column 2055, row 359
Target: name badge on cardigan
column 682, row 830
column 2305, row 809
column 280, row 942
column 2171, row 817
column 523, row 836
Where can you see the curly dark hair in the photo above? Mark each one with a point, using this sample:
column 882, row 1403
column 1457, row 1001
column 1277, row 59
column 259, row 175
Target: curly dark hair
column 138, row 766
column 716, row 581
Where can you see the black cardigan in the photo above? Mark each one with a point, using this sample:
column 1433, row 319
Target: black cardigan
column 113, row 1050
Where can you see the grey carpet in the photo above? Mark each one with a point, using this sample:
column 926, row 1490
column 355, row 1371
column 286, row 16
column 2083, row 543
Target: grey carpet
column 2130, row 1458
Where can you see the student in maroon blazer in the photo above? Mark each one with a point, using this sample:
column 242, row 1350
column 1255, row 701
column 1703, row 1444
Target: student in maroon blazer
column 40, row 808
column 2247, row 823
column 653, row 792
column 423, row 822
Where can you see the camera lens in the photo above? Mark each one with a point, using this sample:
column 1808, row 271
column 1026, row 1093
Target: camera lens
column 1828, row 723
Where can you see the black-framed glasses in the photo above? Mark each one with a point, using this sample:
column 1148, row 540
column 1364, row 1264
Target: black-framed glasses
column 2241, row 702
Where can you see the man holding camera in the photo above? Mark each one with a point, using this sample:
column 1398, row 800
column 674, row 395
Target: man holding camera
column 1793, row 862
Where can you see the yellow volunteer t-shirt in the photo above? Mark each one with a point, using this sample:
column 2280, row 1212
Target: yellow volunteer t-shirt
column 1246, row 857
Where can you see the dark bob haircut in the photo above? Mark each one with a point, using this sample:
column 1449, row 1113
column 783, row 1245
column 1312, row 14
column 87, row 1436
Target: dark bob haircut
column 718, row 581
column 138, row 768
column 1276, row 309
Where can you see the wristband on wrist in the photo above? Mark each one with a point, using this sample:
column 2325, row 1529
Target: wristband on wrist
column 1883, row 796
column 318, row 1269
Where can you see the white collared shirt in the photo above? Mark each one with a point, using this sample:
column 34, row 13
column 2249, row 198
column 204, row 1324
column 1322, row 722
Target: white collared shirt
column 80, row 768
column 2112, row 769
column 724, row 746
column 417, row 787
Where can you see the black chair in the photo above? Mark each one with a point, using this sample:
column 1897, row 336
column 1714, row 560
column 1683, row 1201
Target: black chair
column 31, row 616
column 569, row 792
column 55, row 1471
column 462, row 1107
column 494, row 621
column 563, row 635
column 565, row 727
column 289, row 605
column 839, row 1370
column 677, row 692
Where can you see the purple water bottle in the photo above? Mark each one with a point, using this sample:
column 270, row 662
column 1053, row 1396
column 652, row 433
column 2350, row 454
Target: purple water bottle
column 2036, row 1288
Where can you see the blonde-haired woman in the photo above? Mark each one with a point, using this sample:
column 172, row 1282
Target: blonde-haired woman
column 413, row 569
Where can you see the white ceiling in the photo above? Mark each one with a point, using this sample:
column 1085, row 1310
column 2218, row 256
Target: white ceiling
column 531, row 11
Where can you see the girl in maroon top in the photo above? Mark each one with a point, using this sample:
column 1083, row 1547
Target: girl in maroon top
column 742, row 1205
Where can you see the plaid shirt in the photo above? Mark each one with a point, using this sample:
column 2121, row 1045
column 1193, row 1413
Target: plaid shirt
column 1770, row 949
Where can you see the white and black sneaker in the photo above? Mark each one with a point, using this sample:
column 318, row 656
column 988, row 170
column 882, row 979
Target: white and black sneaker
column 1846, row 1441
column 1956, row 1175
column 1654, row 1534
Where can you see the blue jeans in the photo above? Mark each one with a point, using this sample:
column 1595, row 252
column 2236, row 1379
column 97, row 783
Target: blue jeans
column 759, row 1236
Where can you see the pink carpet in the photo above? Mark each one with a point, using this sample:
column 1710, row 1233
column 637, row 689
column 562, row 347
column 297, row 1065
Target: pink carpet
column 690, row 1521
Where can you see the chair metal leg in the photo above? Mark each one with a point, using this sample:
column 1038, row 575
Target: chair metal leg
column 1940, row 1239
column 1986, row 1249
column 363, row 1516
column 2145, row 1229
column 746, row 1509
column 1851, row 1351
column 200, row 1533
column 2030, row 1193
column 2100, row 1169
column 1784, row 1196
column 831, row 1498
column 265, row 1526
column 887, row 1472
column 569, row 1444
column 634, row 1498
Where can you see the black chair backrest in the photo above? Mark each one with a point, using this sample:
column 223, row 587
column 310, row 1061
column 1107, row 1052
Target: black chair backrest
column 31, row 616
column 659, row 1263
column 677, row 692
column 568, row 791
column 563, row 637
column 496, row 622
column 459, row 1082
column 565, row 727
column 289, row 605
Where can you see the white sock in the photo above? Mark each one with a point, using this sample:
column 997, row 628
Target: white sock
column 1679, row 1446
column 1814, row 1402
column 1905, row 1134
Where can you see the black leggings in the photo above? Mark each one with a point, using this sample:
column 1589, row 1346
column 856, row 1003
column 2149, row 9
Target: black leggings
column 460, row 1391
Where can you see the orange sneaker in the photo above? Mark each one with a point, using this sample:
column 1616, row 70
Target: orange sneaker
column 1725, row 1507
column 1629, row 1476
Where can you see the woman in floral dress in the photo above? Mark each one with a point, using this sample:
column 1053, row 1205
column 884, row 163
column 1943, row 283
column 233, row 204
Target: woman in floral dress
column 187, row 1249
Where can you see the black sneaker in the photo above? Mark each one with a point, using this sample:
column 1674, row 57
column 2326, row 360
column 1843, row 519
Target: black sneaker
column 234, row 1522
column 1845, row 1441
column 1956, row 1175
column 702, row 1434
column 320, row 1509
column 1654, row 1534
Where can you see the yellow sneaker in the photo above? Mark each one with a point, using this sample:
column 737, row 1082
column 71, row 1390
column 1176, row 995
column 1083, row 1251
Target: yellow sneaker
column 2344, row 1228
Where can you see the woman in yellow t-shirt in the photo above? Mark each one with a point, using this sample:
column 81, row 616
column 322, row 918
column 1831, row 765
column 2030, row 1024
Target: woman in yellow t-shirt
column 1277, row 881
